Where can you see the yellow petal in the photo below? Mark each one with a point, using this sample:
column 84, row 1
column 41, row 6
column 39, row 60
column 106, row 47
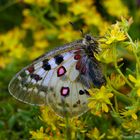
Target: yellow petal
column 91, row 92
column 103, row 89
column 132, row 78
column 109, row 95
column 92, row 104
column 134, row 116
column 104, row 107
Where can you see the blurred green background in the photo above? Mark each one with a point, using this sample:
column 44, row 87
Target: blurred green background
column 29, row 28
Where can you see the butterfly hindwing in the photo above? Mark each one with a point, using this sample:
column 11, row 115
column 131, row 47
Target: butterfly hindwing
column 65, row 86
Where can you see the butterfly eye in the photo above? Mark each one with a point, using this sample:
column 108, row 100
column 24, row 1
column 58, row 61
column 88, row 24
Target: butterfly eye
column 88, row 38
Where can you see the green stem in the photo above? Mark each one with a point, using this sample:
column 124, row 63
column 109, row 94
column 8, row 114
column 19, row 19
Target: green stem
column 135, row 54
column 121, row 97
column 116, row 104
column 68, row 129
column 118, row 69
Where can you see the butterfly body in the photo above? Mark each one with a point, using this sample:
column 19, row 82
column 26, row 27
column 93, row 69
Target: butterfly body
column 61, row 78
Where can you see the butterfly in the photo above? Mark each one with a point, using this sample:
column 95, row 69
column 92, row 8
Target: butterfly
column 61, row 78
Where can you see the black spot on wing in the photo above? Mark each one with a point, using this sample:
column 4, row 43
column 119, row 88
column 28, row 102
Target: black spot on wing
column 81, row 92
column 36, row 77
column 87, row 93
column 46, row 66
column 58, row 59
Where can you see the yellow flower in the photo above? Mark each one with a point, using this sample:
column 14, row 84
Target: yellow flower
column 92, row 17
column 80, row 7
column 75, row 126
column 116, row 8
column 35, row 53
column 131, row 125
column 114, row 134
column 132, row 110
column 55, row 124
column 11, row 45
column 29, row 21
column 3, row 62
column 26, row 12
column 99, row 100
column 12, row 38
column 46, row 134
column 136, row 82
column 106, row 56
column 49, row 117
column 41, row 44
column 38, row 135
column 63, row 20
column 114, row 34
column 117, row 32
column 40, row 34
column 95, row 134
column 17, row 51
column 103, row 27
column 40, row 41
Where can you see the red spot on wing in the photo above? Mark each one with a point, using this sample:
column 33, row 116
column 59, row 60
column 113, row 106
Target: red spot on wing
column 77, row 56
column 61, row 71
column 31, row 69
column 78, row 65
column 65, row 91
column 81, row 67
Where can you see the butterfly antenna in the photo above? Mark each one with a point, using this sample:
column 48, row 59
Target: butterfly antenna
column 81, row 31
column 71, row 23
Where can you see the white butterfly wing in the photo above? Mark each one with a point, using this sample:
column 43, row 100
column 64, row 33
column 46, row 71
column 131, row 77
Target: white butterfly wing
column 60, row 79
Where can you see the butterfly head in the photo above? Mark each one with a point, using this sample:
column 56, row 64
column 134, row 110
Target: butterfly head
column 91, row 43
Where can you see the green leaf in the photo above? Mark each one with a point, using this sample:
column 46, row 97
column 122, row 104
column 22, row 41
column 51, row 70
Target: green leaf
column 12, row 121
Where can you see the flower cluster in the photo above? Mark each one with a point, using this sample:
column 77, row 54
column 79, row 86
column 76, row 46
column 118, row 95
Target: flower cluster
column 39, row 32
column 99, row 100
